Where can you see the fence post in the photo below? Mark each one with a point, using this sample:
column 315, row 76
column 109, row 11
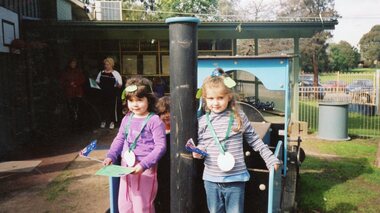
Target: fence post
column 377, row 92
column 337, row 82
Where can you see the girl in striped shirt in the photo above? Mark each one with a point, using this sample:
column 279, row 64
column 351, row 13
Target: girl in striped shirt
column 220, row 133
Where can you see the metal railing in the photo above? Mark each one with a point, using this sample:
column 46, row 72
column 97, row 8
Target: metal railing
column 360, row 90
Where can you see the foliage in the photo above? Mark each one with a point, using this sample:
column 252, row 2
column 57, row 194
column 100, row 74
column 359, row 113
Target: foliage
column 343, row 56
column 259, row 10
column 370, row 45
column 152, row 10
column 313, row 54
column 308, row 8
column 227, row 9
column 313, row 51
column 138, row 10
column 194, row 6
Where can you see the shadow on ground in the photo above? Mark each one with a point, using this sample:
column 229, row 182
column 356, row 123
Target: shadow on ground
column 320, row 175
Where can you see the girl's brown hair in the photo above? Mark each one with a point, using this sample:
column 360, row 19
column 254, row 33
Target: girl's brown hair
column 144, row 89
column 163, row 105
column 218, row 81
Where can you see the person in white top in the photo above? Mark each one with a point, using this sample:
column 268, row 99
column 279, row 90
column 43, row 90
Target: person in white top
column 110, row 83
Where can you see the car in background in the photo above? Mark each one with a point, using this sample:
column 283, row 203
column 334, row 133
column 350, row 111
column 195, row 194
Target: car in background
column 307, row 88
column 361, row 90
column 332, row 84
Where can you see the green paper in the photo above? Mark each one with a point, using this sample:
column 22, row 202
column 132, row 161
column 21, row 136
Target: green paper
column 229, row 82
column 94, row 84
column 199, row 94
column 114, row 171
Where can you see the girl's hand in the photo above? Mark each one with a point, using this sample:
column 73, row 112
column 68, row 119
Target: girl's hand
column 138, row 169
column 276, row 166
column 107, row 161
column 197, row 156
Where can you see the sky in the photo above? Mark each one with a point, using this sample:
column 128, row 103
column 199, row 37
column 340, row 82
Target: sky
column 358, row 17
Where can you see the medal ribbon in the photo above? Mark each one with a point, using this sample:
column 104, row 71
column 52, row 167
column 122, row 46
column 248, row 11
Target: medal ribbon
column 222, row 146
column 133, row 145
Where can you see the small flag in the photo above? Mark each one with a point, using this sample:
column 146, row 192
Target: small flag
column 190, row 146
column 86, row 151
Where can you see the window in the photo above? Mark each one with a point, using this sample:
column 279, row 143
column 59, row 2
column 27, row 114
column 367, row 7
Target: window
column 149, row 45
column 149, row 64
column 165, row 64
column 129, row 64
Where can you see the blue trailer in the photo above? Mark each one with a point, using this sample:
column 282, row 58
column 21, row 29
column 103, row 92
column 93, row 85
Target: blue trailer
column 268, row 190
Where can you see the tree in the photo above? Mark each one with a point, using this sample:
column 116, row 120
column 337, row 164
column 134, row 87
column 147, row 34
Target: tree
column 227, row 10
column 313, row 54
column 259, row 9
column 313, row 50
column 343, row 56
column 139, row 10
column 170, row 8
column 370, row 45
column 308, row 8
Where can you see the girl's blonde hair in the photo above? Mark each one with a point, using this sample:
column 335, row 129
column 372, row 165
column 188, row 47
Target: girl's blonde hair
column 110, row 61
column 218, row 81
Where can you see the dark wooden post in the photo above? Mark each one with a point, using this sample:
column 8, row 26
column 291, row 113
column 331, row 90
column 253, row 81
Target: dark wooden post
column 183, row 43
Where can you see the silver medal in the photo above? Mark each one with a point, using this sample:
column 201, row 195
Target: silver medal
column 129, row 158
column 226, row 162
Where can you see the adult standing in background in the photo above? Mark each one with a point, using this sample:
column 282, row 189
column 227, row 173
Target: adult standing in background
column 72, row 81
column 110, row 82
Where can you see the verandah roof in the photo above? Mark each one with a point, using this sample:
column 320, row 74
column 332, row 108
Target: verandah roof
column 159, row 30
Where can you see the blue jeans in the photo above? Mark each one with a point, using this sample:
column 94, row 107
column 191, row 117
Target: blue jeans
column 225, row 197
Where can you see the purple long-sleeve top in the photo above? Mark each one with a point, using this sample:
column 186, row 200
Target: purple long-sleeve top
column 150, row 146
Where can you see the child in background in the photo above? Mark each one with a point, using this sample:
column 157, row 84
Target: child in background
column 141, row 143
column 220, row 133
column 163, row 198
column 163, row 110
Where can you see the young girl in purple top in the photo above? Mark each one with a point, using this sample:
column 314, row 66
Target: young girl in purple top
column 141, row 143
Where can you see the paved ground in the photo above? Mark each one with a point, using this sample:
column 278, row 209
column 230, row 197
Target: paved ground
column 63, row 182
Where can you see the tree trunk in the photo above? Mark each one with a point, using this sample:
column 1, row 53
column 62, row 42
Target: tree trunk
column 315, row 69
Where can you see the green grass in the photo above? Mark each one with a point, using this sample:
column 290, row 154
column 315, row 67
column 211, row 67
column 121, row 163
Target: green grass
column 349, row 76
column 58, row 187
column 349, row 183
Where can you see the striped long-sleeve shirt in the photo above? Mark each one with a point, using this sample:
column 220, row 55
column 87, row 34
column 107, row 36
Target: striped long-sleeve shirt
column 233, row 144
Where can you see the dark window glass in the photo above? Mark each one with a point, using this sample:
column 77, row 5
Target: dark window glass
column 129, row 45
column 149, row 45
column 205, row 44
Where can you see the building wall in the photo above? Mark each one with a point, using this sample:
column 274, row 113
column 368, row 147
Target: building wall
column 25, row 8
column 14, row 112
column 32, row 105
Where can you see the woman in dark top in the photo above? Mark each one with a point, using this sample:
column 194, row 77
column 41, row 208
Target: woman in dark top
column 110, row 82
